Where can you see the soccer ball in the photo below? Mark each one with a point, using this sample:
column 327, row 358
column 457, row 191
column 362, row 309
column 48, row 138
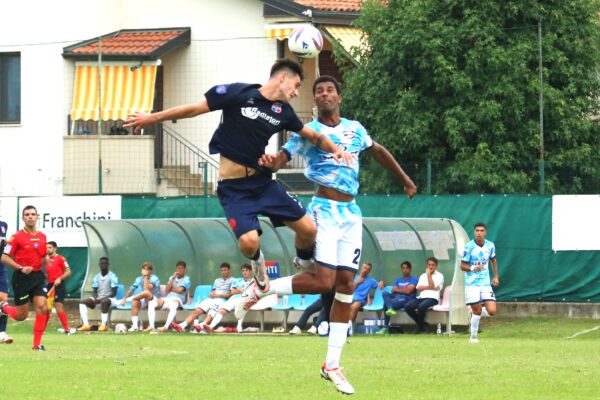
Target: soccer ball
column 120, row 328
column 305, row 41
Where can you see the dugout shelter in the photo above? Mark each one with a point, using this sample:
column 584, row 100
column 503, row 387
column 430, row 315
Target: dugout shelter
column 204, row 243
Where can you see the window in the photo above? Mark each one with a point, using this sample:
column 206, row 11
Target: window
column 10, row 88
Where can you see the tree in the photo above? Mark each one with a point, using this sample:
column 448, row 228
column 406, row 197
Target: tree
column 457, row 83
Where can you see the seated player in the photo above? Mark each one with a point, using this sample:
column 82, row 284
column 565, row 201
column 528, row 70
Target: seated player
column 430, row 286
column 150, row 285
column 363, row 284
column 104, row 286
column 213, row 319
column 221, row 291
column 403, row 291
column 177, row 290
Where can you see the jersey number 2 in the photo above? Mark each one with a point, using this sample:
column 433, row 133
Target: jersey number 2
column 357, row 256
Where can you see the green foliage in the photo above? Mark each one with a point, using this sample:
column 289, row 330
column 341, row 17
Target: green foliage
column 457, row 83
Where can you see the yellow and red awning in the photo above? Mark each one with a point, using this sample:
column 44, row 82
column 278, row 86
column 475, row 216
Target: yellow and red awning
column 347, row 37
column 280, row 31
column 123, row 91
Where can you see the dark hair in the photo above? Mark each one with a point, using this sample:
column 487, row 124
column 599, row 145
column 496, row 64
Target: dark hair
column 225, row 265
column 103, row 258
column 52, row 243
column 182, row 263
column 28, row 208
column 480, row 224
column 435, row 260
column 406, row 263
column 369, row 264
column 246, row 266
column 327, row 78
column 147, row 265
column 289, row 65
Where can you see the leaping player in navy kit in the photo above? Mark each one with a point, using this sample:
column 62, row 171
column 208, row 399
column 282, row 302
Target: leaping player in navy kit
column 336, row 214
column 252, row 113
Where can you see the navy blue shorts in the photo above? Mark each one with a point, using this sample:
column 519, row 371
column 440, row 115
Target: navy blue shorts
column 3, row 279
column 244, row 198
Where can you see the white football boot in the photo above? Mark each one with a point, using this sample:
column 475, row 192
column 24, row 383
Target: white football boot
column 337, row 377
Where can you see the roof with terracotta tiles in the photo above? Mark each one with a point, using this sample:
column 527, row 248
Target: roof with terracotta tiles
column 332, row 5
column 144, row 43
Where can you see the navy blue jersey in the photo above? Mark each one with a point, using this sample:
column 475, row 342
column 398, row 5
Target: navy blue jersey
column 248, row 122
column 3, row 229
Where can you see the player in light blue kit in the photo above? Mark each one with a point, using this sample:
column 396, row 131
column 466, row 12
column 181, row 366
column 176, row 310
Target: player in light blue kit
column 150, row 290
column 478, row 256
column 177, row 289
column 336, row 214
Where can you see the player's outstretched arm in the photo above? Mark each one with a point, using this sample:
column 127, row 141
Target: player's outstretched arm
column 324, row 143
column 139, row 120
column 387, row 161
column 273, row 161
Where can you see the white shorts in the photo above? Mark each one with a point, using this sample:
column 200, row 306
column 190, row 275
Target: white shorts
column 143, row 302
column 339, row 233
column 171, row 299
column 231, row 302
column 478, row 294
column 209, row 303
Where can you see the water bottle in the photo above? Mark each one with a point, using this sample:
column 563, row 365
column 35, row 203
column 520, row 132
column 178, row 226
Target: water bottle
column 285, row 300
column 439, row 329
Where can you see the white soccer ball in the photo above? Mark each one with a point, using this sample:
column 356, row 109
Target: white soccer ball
column 305, row 41
column 120, row 328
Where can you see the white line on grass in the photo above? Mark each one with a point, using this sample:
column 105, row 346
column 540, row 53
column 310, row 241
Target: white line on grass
column 584, row 332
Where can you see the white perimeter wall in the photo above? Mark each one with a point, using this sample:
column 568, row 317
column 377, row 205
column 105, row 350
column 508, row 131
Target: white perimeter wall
column 31, row 161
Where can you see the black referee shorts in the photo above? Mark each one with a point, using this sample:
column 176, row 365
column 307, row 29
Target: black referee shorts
column 26, row 287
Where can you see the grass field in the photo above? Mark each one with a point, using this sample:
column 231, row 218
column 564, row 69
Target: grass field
column 516, row 359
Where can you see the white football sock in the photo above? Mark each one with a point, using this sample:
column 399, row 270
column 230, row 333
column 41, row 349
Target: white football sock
column 281, row 286
column 83, row 312
column 172, row 313
column 183, row 325
column 152, row 312
column 103, row 318
column 216, row 320
column 338, row 332
column 484, row 312
column 475, row 325
column 240, row 326
column 135, row 321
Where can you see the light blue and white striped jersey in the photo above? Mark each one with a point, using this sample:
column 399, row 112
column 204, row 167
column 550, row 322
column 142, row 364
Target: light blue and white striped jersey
column 154, row 281
column 321, row 167
column 184, row 282
column 105, row 284
column 475, row 255
column 222, row 286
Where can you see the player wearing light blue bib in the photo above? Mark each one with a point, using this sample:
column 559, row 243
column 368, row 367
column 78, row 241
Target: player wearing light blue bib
column 177, row 290
column 479, row 255
column 336, row 214
column 214, row 317
column 221, row 291
column 148, row 286
column 104, row 286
